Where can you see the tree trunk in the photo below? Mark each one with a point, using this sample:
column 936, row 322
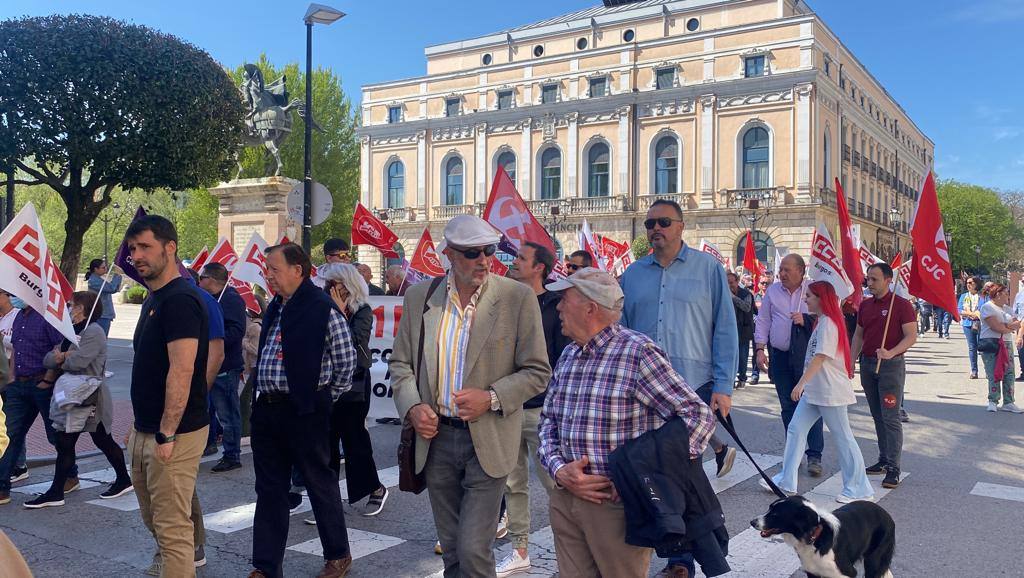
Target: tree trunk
column 75, row 230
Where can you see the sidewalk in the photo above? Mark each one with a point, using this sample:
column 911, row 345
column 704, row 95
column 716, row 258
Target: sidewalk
column 119, row 361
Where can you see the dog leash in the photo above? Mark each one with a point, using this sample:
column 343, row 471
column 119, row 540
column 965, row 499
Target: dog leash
column 726, row 422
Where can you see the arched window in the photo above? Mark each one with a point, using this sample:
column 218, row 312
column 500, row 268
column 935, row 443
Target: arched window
column 666, row 166
column 507, row 160
column 597, row 171
column 551, row 174
column 453, row 181
column 396, row 185
column 763, row 247
column 755, row 158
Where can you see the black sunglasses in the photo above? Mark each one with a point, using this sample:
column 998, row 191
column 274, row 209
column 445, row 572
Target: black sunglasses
column 663, row 222
column 573, row 266
column 474, row 252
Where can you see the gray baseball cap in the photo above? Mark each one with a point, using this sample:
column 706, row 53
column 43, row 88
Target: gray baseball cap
column 594, row 284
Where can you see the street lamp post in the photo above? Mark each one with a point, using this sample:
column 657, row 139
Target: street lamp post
column 315, row 14
column 977, row 259
column 107, row 217
column 895, row 218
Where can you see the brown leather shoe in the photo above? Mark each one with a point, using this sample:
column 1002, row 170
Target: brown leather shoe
column 336, row 568
column 674, row 572
column 257, row 574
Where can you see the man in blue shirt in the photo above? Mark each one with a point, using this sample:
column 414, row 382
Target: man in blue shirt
column 680, row 298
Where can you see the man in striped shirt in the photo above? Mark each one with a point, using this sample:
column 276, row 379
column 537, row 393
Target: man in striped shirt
column 611, row 385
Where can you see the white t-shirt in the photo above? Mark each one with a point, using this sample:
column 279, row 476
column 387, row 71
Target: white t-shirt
column 831, row 386
column 990, row 309
column 6, row 329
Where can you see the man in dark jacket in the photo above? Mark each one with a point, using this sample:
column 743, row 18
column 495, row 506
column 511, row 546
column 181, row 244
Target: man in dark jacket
column 224, row 393
column 531, row 267
column 743, row 303
column 305, row 362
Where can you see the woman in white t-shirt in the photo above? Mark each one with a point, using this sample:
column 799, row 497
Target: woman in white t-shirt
column 995, row 342
column 824, row 391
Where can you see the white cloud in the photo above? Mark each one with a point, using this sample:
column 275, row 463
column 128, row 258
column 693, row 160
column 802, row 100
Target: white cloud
column 991, row 11
column 1006, row 132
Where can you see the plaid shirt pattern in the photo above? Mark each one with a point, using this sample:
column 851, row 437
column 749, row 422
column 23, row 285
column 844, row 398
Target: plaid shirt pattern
column 609, row 391
column 32, row 338
column 335, row 369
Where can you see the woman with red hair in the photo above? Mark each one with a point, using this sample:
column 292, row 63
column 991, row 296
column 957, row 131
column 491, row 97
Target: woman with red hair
column 824, row 391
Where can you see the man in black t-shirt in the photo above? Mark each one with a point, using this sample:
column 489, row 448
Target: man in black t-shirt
column 168, row 394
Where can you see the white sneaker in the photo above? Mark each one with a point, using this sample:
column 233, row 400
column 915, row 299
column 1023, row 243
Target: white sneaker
column 502, row 530
column 992, row 407
column 769, row 489
column 1011, row 407
column 511, row 564
column 844, row 499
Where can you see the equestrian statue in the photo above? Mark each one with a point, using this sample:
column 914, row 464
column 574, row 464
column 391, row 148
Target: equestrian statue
column 269, row 120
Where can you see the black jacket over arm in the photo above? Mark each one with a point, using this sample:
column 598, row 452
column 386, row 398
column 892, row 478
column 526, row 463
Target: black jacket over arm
column 669, row 502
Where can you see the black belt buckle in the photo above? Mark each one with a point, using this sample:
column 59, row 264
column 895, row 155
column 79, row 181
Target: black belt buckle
column 453, row 422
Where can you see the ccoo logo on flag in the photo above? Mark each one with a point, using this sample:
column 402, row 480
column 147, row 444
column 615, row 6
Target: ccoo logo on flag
column 24, row 248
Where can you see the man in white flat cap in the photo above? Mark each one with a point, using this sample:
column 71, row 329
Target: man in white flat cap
column 470, row 350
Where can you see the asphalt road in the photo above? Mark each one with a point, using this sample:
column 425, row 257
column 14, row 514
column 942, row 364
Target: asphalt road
column 958, row 512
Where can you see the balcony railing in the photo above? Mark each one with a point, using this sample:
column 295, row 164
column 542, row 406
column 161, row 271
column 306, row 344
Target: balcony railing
column 860, row 209
column 644, row 202
column 846, row 152
column 856, row 159
column 399, row 215
column 446, row 212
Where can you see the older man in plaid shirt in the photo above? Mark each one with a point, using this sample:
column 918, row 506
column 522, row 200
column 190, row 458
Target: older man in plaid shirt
column 610, row 386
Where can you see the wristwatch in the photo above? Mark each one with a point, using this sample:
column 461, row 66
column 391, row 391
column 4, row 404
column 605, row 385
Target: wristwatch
column 495, row 403
column 161, row 439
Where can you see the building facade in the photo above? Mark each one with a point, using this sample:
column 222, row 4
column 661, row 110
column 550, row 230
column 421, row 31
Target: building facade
column 743, row 111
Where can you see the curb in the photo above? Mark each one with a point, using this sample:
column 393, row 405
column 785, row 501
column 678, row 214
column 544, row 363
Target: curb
column 35, row 461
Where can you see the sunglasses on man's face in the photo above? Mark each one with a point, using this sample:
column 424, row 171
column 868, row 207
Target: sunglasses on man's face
column 573, row 267
column 474, row 252
column 663, row 222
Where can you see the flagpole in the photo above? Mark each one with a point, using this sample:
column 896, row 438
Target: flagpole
column 225, row 287
column 885, row 332
column 99, row 293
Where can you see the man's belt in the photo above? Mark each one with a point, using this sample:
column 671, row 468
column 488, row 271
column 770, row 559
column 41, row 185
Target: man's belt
column 273, row 397
column 453, row 422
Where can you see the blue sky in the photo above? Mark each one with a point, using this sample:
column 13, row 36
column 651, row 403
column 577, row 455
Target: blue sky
column 954, row 66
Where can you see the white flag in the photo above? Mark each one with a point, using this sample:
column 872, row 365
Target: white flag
column 901, row 277
column 252, row 266
column 826, row 265
column 705, row 247
column 27, row 271
column 867, row 258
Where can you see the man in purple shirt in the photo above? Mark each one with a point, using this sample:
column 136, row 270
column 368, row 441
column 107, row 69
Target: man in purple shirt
column 781, row 308
column 29, row 394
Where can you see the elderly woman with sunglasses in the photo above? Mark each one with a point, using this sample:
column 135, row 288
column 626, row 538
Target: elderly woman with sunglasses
column 349, row 291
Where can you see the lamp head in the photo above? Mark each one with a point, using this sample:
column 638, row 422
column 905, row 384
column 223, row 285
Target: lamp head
column 320, row 14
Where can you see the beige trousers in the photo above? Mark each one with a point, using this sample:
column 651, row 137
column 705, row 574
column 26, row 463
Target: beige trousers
column 166, row 491
column 590, row 539
column 517, row 485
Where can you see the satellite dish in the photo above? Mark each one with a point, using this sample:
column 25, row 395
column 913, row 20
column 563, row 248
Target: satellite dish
column 322, row 204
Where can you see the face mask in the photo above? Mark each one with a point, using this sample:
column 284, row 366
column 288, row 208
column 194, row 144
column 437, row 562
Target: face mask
column 17, row 303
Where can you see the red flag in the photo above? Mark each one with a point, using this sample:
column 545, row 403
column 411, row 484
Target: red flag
column 851, row 253
column 369, row 230
column 200, row 260
column 931, row 277
column 224, row 254
column 750, row 259
column 507, row 212
column 425, row 259
column 498, row 268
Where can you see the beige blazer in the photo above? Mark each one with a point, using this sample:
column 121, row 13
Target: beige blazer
column 506, row 352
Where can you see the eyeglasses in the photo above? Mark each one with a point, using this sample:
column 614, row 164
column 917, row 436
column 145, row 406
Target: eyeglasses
column 573, row 267
column 474, row 252
column 663, row 222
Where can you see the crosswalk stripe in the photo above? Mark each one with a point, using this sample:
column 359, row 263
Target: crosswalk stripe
column 241, row 517
column 543, row 562
column 361, row 543
column 752, row 556
column 999, row 491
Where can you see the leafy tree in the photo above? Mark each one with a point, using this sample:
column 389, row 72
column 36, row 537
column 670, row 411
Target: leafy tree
column 89, row 104
column 976, row 216
column 335, row 149
column 641, row 247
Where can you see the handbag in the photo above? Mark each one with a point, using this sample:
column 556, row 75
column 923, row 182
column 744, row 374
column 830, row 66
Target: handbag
column 988, row 345
column 408, row 479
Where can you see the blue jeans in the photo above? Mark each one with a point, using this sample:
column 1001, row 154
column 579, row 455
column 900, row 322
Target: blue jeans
column 785, row 380
column 972, row 348
column 851, row 461
column 105, row 325
column 224, row 396
column 23, row 401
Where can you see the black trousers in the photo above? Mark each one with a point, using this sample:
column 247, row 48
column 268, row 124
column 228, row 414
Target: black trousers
column 66, row 457
column 282, row 439
column 348, row 425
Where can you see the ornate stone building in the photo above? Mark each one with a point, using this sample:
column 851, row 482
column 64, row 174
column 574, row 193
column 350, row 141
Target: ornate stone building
column 743, row 111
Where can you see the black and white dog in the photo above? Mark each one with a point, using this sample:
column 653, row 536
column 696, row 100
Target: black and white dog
column 830, row 543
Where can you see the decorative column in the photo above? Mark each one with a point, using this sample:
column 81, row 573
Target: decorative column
column 707, row 151
column 804, row 98
column 623, row 150
column 481, row 171
column 421, row 172
column 571, row 153
column 523, row 164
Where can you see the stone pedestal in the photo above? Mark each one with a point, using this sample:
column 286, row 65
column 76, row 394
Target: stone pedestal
column 255, row 205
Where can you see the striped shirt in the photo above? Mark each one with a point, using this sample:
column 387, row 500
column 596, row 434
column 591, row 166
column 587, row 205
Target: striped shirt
column 611, row 390
column 452, row 341
column 335, row 370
